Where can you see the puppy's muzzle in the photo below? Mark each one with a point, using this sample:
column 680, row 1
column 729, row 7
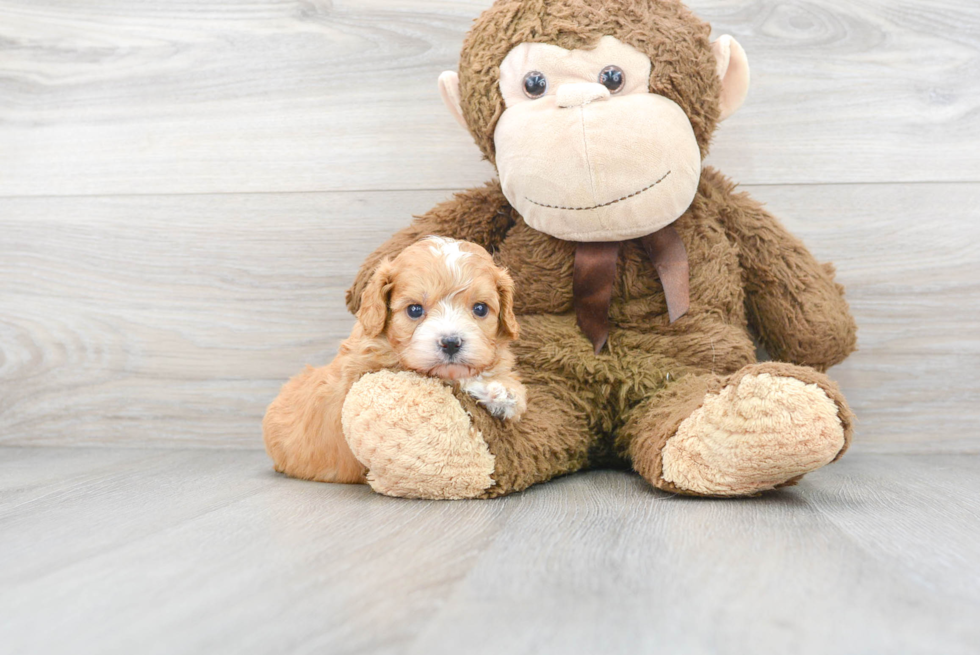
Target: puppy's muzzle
column 450, row 345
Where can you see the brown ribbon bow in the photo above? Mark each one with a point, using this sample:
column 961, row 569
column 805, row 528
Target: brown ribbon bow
column 595, row 274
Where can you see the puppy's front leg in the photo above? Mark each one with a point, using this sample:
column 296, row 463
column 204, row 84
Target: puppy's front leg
column 504, row 396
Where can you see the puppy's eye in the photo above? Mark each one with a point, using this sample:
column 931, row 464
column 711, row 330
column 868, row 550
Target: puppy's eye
column 481, row 309
column 613, row 78
column 535, row 84
column 415, row 311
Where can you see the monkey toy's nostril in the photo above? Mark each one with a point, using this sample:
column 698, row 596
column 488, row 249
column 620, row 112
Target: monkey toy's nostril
column 450, row 345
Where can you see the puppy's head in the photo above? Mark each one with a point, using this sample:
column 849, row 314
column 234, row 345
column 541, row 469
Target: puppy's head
column 444, row 307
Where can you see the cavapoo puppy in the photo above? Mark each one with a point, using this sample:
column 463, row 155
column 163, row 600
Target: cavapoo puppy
column 440, row 308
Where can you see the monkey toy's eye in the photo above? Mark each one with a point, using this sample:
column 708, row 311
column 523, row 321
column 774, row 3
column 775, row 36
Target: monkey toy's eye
column 415, row 311
column 481, row 309
column 613, row 78
column 535, row 84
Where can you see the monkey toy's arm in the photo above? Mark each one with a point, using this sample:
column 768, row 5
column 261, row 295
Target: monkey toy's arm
column 793, row 302
column 479, row 215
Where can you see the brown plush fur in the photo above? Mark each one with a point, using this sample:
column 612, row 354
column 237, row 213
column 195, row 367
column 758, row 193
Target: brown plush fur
column 302, row 427
column 748, row 274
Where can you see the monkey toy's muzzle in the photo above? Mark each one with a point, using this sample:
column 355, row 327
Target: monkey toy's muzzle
column 582, row 165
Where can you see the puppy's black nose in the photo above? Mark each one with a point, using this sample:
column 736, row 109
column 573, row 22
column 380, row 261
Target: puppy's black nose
column 450, row 345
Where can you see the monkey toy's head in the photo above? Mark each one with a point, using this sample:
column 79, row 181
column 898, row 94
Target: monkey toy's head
column 596, row 113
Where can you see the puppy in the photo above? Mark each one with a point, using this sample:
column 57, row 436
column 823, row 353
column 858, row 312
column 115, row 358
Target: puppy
column 440, row 308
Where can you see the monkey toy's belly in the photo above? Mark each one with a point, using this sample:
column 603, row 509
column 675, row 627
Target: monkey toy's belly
column 638, row 360
column 644, row 349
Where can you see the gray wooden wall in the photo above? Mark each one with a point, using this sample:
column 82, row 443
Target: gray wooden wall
column 188, row 186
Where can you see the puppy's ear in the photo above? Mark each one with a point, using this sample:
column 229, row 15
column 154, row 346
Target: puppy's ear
column 373, row 314
column 505, row 289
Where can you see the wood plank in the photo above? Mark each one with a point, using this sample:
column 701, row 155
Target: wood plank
column 115, row 97
column 612, row 568
column 173, row 320
column 170, row 321
column 197, row 551
column 193, row 551
column 879, row 503
column 910, row 260
column 98, row 487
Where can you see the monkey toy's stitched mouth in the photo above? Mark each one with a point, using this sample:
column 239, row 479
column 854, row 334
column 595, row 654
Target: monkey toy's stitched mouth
column 605, row 204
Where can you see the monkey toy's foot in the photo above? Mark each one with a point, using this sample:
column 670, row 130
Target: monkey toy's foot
column 759, row 431
column 415, row 438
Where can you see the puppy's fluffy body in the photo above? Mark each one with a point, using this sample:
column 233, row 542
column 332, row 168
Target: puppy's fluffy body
column 462, row 335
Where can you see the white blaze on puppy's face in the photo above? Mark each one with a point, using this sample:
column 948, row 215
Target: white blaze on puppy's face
column 436, row 284
column 451, row 253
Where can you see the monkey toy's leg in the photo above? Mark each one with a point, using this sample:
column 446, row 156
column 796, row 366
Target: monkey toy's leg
column 763, row 427
column 419, row 438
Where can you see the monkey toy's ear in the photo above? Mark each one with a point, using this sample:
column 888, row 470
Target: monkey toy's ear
column 733, row 69
column 449, row 88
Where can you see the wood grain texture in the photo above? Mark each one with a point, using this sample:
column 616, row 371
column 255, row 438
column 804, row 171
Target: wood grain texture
column 189, row 96
column 173, row 320
column 909, row 257
column 147, row 310
column 119, row 551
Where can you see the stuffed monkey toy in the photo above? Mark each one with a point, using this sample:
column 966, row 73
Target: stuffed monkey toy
column 640, row 275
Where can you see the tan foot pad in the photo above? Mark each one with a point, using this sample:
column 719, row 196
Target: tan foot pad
column 415, row 438
column 753, row 436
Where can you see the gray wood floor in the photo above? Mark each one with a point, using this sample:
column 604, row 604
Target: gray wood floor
column 171, row 551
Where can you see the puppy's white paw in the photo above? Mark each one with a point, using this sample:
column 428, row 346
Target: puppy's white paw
column 499, row 400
